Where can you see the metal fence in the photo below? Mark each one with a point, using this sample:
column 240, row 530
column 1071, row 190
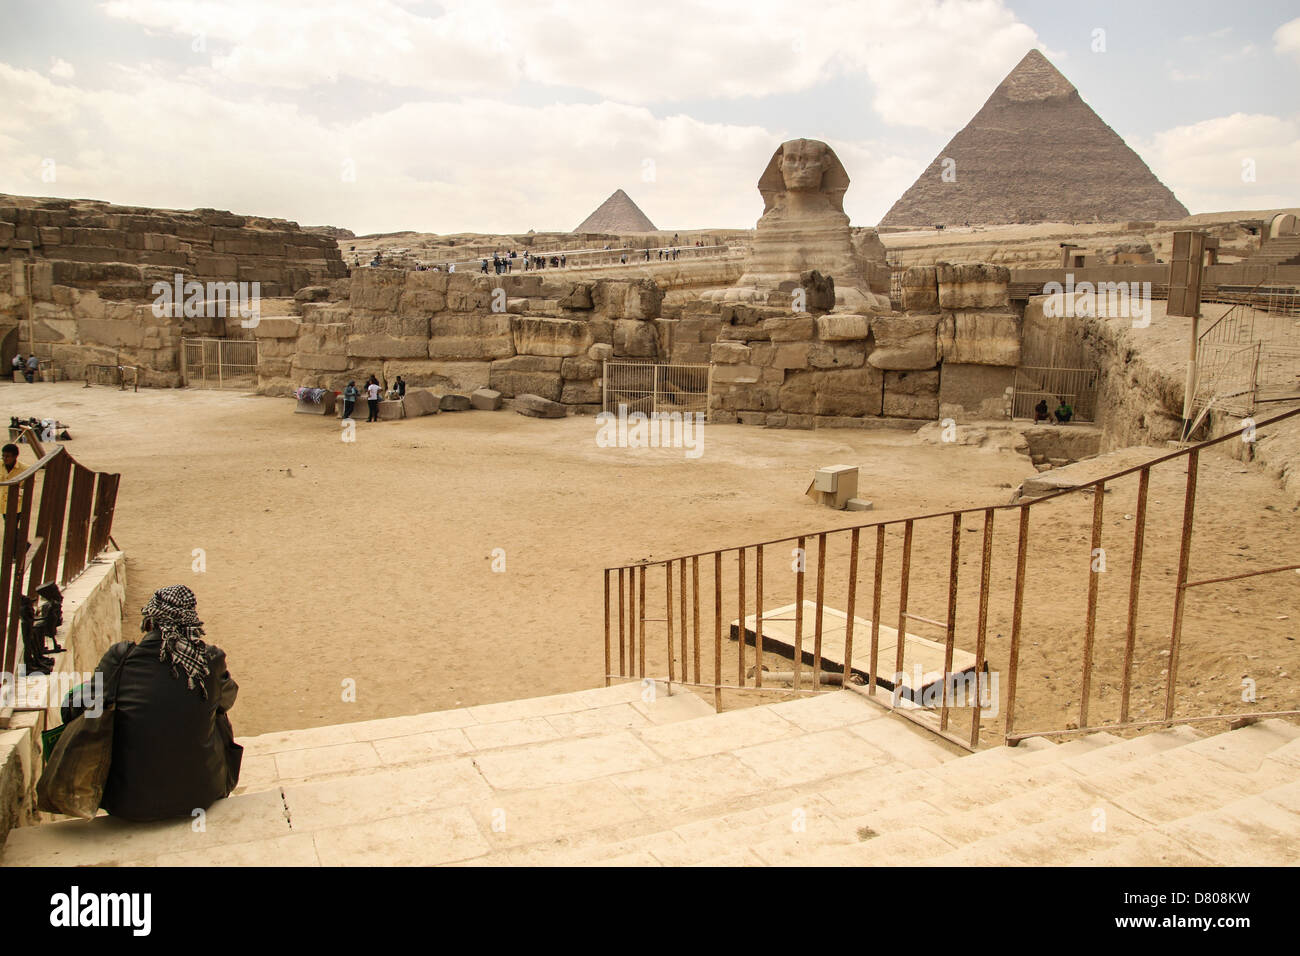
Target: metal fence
column 1085, row 656
column 123, row 376
column 650, row 388
column 1267, row 318
column 220, row 363
column 1077, row 386
column 74, row 525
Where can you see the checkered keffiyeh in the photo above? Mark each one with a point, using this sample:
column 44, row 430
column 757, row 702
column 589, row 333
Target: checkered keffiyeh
column 172, row 611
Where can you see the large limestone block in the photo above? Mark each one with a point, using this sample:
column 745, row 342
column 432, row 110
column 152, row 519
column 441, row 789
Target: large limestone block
column 793, row 328
column 921, row 289
column 538, row 406
column 581, row 393
column 843, row 355
column 729, row 353
column 852, row 392
column 980, row 338
column 911, row 394
column 627, row 298
column 973, row 286
column 420, row 401
column 386, row 323
column 791, row 355
column 427, row 281
column 525, row 374
column 454, row 402
column 582, row 369
column 905, row 342
column 421, row 303
column 485, row 399
column 577, row 297
column 386, row 346
column 378, row 289
column 555, row 338
column 106, row 332
column 749, row 397
column 634, row 338
column 276, row 327
column 457, row 376
column 321, row 363
column 465, row 337
column 975, row 391
column 843, row 328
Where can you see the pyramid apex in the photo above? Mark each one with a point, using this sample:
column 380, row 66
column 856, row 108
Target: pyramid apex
column 1034, row 78
column 617, row 214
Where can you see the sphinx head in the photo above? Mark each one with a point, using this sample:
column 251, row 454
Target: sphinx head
column 806, row 166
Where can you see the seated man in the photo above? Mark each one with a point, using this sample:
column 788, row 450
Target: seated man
column 1064, row 412
column 1040, row 411
column 173, row 747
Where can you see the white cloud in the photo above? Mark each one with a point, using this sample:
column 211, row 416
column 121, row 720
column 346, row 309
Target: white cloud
column 930, row 61
column 1286, row 39
column 1204, row 163
column 61, row 69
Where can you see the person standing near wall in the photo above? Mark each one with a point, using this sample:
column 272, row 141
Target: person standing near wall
column 372, row 397
column 350, row 399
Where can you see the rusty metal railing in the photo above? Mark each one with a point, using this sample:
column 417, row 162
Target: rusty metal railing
column 994, row 604
column 73, row 526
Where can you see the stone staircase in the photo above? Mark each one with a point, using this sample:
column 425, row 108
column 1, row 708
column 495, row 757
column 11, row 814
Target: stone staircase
column 612, row 777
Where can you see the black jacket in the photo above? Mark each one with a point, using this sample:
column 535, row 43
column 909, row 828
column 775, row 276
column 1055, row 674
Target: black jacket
column 173, row 751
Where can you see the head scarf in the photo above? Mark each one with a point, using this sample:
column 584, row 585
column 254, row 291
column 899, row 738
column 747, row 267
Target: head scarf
column 172, row 611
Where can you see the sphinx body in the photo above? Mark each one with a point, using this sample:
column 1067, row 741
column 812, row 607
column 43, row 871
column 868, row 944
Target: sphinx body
column 804, row 227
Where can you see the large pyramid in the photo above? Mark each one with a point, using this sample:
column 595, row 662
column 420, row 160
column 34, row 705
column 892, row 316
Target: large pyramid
column 617, row 214
column 1035, row 152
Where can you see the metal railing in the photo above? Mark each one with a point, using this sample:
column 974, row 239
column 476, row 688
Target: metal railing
column 651, row 389
column 983, row 598
column 123, row 376
column 220, row 363
column 74, row 525
column 1078, row 386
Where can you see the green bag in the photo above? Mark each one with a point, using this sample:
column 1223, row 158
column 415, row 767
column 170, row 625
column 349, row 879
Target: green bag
column 49, row 738
column 72, row 782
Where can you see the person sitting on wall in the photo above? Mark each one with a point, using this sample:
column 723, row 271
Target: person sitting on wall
column 1064, row 412
column 33, row 364
column 399, row 387
column 1040, row 412
column 174, row 750
column 18, row 363
column 10, row 470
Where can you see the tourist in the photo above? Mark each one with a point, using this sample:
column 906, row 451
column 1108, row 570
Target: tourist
column 10, row 470
column 485, row 267
column 372, row 397
column 451, row 267
column 1040, row 411
column 400, row 387
column 19, row 363
column 33, row 363
column 349, row 399
column 1064, row 412
column 563, row 260
column 174, row 751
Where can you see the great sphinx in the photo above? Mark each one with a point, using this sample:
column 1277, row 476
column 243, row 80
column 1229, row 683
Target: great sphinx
column 804, row 227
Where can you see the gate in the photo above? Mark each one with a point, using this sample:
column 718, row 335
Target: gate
column 220, row 363
column 1078, row 386
column 649, row 388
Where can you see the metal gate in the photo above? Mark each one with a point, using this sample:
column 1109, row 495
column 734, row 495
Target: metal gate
column 1078, row 386
column 220, row 363
column 650, row 388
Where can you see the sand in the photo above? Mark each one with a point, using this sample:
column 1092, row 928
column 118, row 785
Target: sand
column 327, row 564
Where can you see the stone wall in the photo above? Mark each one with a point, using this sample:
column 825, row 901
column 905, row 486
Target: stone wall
column 957, row 343
column 517, row 334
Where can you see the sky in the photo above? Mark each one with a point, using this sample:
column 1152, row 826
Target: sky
column 479, row 116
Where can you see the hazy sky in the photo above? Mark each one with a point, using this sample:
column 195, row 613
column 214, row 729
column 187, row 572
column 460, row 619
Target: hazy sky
column 381, row 115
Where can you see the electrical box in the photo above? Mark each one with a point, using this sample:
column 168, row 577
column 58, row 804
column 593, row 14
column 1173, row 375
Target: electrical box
column 834, row 485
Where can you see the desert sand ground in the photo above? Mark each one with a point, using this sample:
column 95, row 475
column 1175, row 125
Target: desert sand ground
column 371, row 561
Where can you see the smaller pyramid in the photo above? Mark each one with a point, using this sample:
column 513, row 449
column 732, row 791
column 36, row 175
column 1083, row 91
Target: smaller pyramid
column 617, row 214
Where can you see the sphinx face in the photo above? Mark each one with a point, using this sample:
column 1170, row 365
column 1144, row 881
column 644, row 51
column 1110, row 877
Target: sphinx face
column 802, row 164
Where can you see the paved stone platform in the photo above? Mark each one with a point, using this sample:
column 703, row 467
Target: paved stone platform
column 626, row 776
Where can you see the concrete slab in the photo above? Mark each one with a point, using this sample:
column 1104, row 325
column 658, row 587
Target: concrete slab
column 726, row 731
column 566, row 761
column 1250, row 832
column 315, row 761
column 922, row 658
column 425, row 838
column 510, row 733
column 665, row 709
column 414, row 724
column 550, row 813
column 296, row 739
column 298, row 849
column 384, row 793
column 109, row 841
column 903, row 741
column 415, row 748
column 839, row 708
column 689, row 785
column 799, row 760
column 598, row 720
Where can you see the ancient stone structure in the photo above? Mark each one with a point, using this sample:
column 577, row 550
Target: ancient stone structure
column 1035, row 152
column 804, row 227
column 616, row 215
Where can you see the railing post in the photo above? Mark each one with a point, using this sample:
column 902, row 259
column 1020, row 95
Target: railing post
column 668, row 617
column 986, row 562
column 740, row 624
column 1180, row 596
column 902, row 607
column 1090, row 625
column 622, row 650
column 758, row 616
column 801, row 566
column 951, row 632
column 853, row 594
column 717, row 631
column 821, row 603
column 631, row 621
column 685, row 672
column 1017, row 606
column 875, row 606
column 607, row 647
column 695, row 600
column 640, row 609
column 1135, row 580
